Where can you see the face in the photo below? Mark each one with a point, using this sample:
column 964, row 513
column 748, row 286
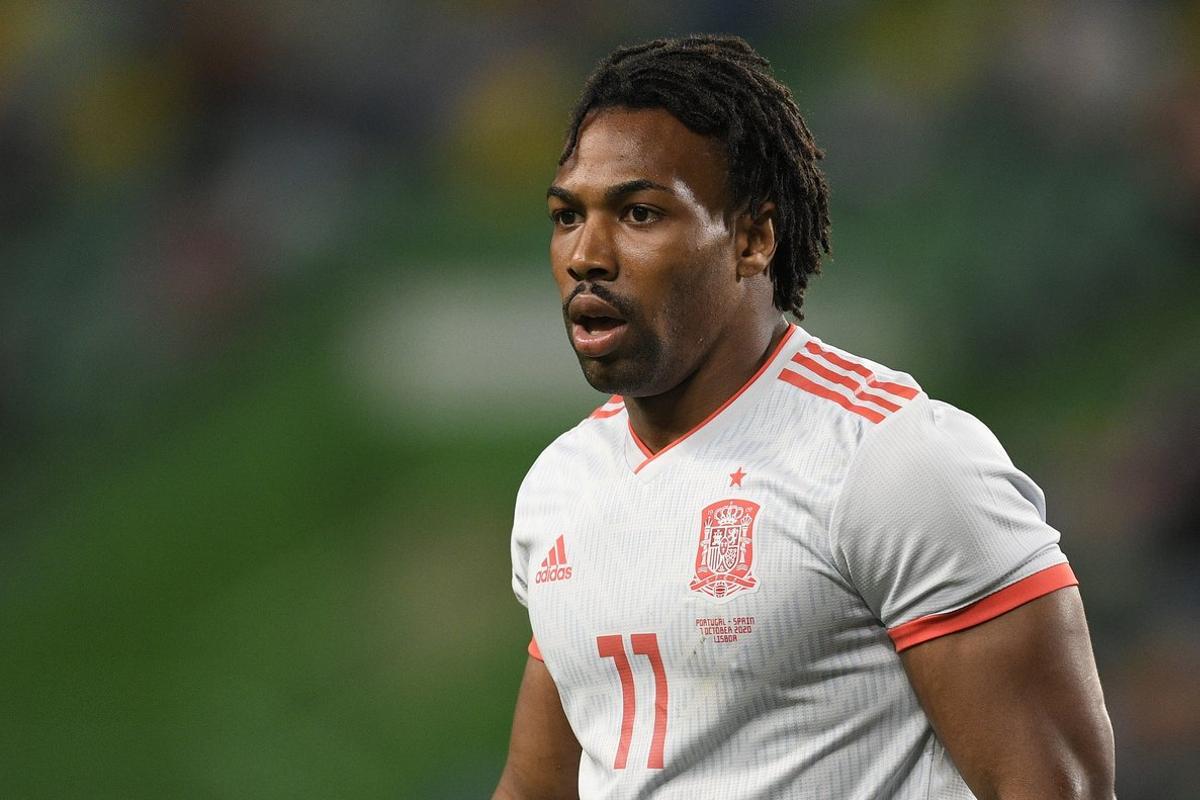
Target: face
column 645, row 259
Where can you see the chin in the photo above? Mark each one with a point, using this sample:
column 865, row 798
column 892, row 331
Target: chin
column 634, row 371
column 603, row 377
column 609, row 377
column 628, row 378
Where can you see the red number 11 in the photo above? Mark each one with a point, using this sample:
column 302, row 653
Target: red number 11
column 644, row 644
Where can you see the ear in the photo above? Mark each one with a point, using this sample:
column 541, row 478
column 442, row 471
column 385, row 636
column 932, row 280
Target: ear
column 756, row 240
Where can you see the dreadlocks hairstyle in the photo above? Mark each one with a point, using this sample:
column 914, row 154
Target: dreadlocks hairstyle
column 719, row 86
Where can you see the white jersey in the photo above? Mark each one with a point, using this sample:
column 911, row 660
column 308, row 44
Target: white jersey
column 722, row 618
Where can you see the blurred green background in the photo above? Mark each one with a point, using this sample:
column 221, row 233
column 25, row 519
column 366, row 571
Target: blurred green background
column 278, row 341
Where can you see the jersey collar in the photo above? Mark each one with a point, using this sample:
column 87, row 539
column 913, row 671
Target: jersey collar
column 643, row 463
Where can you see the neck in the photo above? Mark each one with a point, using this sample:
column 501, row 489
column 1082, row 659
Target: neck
column 663, row 418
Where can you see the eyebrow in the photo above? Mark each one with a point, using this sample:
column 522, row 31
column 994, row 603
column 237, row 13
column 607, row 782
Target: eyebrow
column 613, row 193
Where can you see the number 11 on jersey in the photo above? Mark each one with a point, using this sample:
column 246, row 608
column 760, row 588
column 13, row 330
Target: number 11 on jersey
column 643, row 644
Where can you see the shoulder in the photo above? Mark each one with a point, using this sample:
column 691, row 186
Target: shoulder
column 573, row 451
column 886, row 413
column 930, row 448
column 932, row 515
column 859, row 386
column 836, row 400
column 565, row 465
column 883, row 441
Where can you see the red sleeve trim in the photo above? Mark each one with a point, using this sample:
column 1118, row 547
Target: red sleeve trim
column 535, row 651
column 1029, row 588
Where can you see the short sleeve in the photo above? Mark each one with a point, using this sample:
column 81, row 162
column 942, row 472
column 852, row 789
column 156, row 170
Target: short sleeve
column 519, row 546
column 937, row 530
column 529, row 514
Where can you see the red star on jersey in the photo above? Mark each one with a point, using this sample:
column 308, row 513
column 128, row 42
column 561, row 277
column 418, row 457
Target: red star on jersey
column 735, row 478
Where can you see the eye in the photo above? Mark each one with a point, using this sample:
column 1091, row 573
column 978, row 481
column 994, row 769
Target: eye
column 641, row 214
column 564, row 216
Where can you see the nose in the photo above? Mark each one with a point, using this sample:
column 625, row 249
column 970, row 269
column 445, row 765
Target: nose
column 592, row 256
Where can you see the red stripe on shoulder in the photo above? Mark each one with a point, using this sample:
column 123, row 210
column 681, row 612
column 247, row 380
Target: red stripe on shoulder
column 897, row 389
column 900, row 390
column 613, row 406
column 801, row 382
column 854, row 386
column 1016, row 594
column 534, row 650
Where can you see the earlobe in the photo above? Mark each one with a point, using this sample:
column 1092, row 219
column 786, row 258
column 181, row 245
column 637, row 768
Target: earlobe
column 756, row 239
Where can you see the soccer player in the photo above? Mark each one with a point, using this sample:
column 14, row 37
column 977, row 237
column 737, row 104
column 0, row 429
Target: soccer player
column 767, row 568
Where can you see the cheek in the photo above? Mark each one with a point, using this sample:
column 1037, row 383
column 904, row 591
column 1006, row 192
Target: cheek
column 673, row 302
column 706, row 267
column 701, row 289
column 558, row 265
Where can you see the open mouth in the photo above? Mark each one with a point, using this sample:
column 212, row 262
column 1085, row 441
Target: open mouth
column 599, row 324
column 596, row 336
column 596, row 326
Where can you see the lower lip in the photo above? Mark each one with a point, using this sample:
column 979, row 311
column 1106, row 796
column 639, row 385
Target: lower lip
column 596, row 343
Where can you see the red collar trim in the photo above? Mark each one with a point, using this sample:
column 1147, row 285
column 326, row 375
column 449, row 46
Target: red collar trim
column 769, row 360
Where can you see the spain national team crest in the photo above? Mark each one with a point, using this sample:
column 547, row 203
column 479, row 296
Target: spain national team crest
column 725, row 558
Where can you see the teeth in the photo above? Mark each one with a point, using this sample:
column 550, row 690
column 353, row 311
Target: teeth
column 592, row 324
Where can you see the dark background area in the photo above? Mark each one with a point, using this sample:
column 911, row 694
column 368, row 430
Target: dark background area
column 278, row 341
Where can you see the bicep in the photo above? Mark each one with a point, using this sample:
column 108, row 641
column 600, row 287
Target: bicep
column 1017, row 702
column 543, row 753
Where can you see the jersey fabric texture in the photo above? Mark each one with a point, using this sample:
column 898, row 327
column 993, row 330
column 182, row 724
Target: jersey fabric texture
column 722, row 618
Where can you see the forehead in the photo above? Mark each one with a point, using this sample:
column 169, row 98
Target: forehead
column 621, row 144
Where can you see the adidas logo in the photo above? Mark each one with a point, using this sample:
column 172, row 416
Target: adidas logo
column 554, row 565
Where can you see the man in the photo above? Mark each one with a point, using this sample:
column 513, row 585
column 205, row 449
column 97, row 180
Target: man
column 767, row 568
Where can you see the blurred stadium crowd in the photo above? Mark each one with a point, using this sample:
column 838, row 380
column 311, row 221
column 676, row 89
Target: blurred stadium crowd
column 277, row 342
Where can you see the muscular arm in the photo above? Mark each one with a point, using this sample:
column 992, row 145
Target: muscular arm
column 1017, row 703
column 543, row 754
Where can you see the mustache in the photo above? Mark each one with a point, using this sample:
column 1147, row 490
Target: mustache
column 604, row 293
